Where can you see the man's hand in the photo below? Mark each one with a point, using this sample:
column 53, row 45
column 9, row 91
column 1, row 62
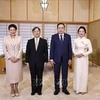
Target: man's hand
column 69, row 62
column 52, row 63
column 45, row 64
column 27, row 64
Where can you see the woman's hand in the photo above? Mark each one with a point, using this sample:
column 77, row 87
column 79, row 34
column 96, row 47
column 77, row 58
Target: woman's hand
column 80, row 55
column 14, row 59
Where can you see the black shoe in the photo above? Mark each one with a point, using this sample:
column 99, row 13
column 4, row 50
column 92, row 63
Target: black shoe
column 56, row 92
column 66, row 92
column 33, row 93
column 39, row 93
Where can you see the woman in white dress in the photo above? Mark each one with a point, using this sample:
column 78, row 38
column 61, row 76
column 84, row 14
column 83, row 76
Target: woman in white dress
column 81, row 49
column 12, row 47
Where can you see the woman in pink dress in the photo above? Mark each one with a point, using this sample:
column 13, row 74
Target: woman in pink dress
column 12, row 47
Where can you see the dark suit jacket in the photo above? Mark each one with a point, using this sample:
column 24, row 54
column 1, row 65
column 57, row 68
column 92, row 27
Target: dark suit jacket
column 57, row 49
column 40, row 56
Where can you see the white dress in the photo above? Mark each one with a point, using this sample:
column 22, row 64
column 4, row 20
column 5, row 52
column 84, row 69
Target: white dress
column 81, row 45
column 13, row 48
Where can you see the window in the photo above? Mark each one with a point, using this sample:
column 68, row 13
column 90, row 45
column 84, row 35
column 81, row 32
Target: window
column 26, row 32
column 3, row 33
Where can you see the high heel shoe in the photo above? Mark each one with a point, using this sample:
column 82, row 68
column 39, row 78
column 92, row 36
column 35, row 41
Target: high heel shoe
column 12, row 95
column 16, row 92
column 83, row 93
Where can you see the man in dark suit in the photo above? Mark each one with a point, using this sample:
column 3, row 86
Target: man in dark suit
column 61, row 55
column 36, row 58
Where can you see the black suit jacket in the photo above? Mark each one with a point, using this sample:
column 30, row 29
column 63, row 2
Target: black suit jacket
column 40, row 56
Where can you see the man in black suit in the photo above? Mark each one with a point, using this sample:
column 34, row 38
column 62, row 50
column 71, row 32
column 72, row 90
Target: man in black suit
column 36, row 59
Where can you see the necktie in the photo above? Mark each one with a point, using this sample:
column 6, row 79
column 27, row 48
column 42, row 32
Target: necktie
column 61, row 38
column 36, row 43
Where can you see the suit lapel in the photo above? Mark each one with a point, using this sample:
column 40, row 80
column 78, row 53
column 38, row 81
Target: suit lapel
column 16, row 40
column 10, row 41
column 13, row 43
column 38, row 44
column 58, row 37
column 34, row 44
column 65, row 37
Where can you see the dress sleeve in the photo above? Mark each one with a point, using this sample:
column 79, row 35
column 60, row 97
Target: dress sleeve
column 5, row 50
column 89, row 49
column 74, row 48
column 19, row 55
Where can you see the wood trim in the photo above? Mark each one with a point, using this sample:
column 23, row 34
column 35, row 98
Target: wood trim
column 93, row 9
column 26, row 9
column 24, row 21
column 6, row 29
column 73, row 11
column 58, row 10
column 42, row 15
column 66, row 28
column 94, row 21
column 89, row 12
column 42, row 30
column 19, row 29
column 87, row 31
column 42, row 24
column 10, row 9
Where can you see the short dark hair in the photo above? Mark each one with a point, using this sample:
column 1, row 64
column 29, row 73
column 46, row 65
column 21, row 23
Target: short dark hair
column 12, row 25
column 35, row 28
column 82, row 27
column 60, row 24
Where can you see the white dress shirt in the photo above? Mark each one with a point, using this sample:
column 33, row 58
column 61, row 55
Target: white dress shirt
column 62, row 36
column 37, row 42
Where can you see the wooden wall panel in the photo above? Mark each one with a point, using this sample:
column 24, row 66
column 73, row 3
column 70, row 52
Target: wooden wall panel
column 65, row 10
column 4, row 9
column 97, row 9
column 94, row 31
column 34, row 10
column 52, row 12
column 81, row 9
column 18, row 9
column 58, row 10
column 91, row 10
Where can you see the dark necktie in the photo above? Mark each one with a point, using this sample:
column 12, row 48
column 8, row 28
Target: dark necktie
column 61, row 38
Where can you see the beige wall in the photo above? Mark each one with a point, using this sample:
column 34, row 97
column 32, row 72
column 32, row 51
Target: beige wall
column 5, row 9
column 58, row 10
column 94, row 36
column 34, row 10
column 94, row 10
column 81, row 10
column 66, row 10
column 18, row 9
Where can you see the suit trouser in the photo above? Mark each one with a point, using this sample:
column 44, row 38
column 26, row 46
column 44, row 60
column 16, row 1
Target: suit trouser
column 36, row 72
column 64, row 74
